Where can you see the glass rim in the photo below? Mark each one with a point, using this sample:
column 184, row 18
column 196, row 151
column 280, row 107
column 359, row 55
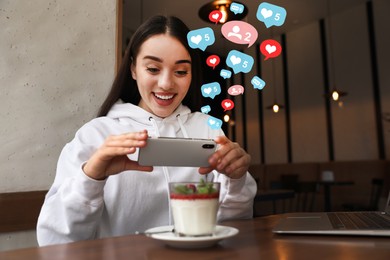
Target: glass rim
column 192, row 182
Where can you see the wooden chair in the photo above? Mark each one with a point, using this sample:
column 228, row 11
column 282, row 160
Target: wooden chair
column 375, row 194
column 306, row 195
column 275, row 196
column 305, row 192
column 287, row 182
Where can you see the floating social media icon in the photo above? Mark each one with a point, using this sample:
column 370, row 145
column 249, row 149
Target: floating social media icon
column 226, row 74
column 227, row 104
column 213, row 60
column 215, row 16
column 258, row 83
column 214, row 122
column 271, row 14
column 211, row 90
column 201, row 38
column 239, row 62
column 240, row 32
column 205, row 109
column 236, row 8
column 270, row 49
column 236, row 90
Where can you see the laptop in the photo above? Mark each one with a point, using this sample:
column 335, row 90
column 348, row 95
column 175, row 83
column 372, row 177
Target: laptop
column 363, row 223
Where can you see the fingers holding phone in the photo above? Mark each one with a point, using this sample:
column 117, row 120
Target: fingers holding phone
column 111, row 157
column 230, row 159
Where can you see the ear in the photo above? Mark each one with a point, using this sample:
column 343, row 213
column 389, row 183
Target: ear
column 132, row 70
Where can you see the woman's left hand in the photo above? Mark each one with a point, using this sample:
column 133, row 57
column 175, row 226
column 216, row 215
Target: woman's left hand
column 230, row 159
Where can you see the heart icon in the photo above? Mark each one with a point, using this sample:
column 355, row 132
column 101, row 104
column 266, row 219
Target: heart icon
column 196, row 39
column 211, row 122
column 215, row 16
column 235, row 60
column 213, row 61
column 207, row 90
column 266, row 13
column 227, row 104
column 270, row 48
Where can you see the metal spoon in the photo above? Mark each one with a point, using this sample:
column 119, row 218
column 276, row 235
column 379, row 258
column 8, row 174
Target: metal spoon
column 156, row 232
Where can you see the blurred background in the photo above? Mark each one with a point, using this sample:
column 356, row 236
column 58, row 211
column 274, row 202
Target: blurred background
column 59, row 60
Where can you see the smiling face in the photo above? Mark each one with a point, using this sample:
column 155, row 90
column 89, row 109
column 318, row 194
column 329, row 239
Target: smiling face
column 163, row 73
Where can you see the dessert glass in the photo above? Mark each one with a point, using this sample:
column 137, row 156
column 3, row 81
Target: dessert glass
column 194, row 207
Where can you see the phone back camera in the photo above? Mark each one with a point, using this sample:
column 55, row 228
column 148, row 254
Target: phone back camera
column 208, row 146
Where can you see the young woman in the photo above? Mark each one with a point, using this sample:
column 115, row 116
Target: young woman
column 99, row 189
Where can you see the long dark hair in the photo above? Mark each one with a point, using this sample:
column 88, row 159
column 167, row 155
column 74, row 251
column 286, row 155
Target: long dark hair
column 125, row 87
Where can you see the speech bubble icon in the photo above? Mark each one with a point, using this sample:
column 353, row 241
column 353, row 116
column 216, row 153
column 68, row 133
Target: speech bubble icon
column 271, row 14
column 215, row 16
column 214, row 122
column 227, row 104
column 226, row 74
column 236, row 8
column 240, row 32
column 270, row 49
column 236, row 90
column 205, row 109
column 213, row 60
column 258, row 83
column 201, row 38
column 211, row 90
column 239, row 62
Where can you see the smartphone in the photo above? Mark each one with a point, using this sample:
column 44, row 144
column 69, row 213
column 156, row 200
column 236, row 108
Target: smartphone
column 172, row 151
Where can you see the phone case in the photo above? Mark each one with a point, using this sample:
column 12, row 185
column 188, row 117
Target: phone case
column 185, row 152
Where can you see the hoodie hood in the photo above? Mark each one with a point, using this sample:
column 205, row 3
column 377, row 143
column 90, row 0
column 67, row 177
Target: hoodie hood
column 128, row 114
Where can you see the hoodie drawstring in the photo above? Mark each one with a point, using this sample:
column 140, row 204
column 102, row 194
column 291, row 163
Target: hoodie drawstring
column 182, row 128
column 155, row 126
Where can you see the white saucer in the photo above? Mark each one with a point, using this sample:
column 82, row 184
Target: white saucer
column 170, row 239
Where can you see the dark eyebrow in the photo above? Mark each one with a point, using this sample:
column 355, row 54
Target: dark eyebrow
column 152, row 58
column 160, row 60
column 183, row 61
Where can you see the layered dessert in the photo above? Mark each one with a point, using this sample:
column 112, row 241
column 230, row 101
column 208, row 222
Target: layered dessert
column 194, row 208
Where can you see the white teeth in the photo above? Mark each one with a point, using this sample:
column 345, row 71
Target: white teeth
column 163, row 97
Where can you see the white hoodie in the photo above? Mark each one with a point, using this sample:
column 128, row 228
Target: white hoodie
column 79, row 208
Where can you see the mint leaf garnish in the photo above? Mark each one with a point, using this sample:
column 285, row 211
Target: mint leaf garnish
column 202, row 188
column 183, row 189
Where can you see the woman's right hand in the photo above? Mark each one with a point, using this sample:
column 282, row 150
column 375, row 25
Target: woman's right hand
column 111, row 158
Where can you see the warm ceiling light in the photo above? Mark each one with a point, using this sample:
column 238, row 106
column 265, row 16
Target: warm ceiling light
column 226, row 118
column 335, row 95
column 224, row 7
column 275, row 107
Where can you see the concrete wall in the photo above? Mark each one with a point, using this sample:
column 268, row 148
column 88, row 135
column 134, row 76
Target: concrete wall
column 56, row 66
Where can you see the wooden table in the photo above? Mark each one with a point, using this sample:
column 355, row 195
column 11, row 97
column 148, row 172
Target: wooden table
column 255, row 241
